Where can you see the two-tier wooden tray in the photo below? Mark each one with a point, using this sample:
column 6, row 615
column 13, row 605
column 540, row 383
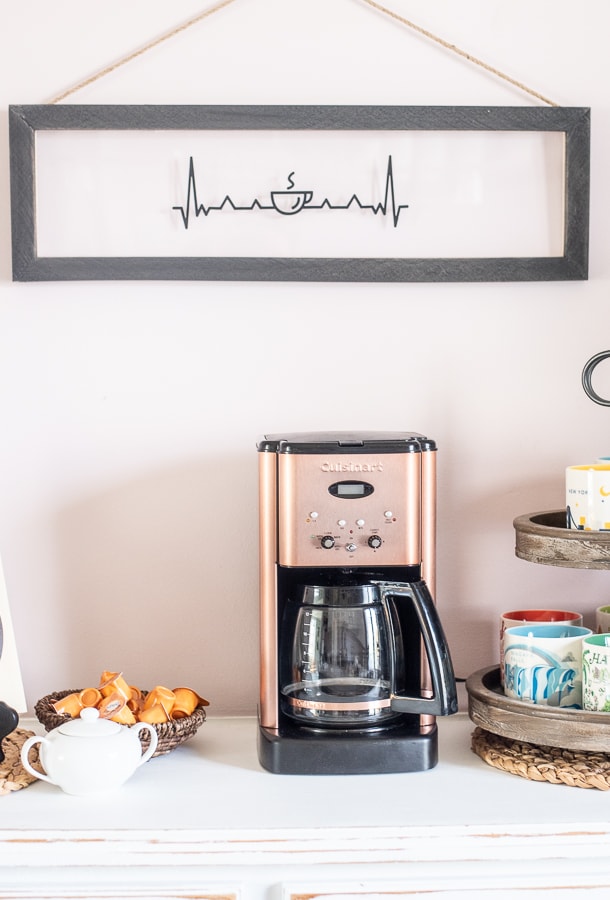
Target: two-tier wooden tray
column 544, row 743
column 543, row 537
column 570, row 729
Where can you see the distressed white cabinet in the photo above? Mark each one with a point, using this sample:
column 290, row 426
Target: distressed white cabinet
column 207, row 822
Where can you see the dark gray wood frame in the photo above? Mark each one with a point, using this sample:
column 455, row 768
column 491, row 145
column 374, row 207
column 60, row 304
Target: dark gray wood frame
column 25, row 121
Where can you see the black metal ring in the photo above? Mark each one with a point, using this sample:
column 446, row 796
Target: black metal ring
column 587, row 372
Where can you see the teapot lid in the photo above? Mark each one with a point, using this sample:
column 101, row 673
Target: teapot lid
column 89, row 725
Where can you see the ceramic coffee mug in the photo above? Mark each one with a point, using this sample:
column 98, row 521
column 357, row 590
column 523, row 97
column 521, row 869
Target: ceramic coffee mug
column 538, row 616
column 543, row 664
column 596, row 672
column 602, row 619
column 588, row 497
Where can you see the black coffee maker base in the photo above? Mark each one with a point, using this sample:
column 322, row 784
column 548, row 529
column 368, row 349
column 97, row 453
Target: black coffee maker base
column 299, row 752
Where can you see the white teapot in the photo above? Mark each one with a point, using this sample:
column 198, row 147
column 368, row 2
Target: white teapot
column 89, row 755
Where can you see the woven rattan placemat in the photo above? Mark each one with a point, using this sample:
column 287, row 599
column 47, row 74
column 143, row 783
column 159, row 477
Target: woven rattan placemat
column 575, row 768
column 12, row 774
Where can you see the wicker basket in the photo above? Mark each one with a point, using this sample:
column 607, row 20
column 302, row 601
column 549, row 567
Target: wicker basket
column 170, row 734
column 575, row 768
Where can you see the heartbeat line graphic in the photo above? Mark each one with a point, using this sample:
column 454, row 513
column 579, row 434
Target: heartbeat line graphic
column 289, row 202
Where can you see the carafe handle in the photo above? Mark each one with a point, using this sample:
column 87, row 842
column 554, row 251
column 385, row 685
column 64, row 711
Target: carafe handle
column 444, row 699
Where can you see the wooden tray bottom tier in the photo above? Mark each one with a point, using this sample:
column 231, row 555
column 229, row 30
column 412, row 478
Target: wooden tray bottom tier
column 569, row 729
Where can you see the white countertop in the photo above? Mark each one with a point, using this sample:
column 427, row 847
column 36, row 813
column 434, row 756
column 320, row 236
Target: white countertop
column 215, row 781
column 214, row 785
column 208, row 814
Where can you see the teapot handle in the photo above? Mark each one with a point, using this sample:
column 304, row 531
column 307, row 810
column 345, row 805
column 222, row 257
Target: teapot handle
column 25, row 761
column 444, row 699
column 154, row 739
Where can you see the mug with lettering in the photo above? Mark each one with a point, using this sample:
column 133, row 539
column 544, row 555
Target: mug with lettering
column 543, row 664
column 588, row 497
column 538, row 616
column 596, row 672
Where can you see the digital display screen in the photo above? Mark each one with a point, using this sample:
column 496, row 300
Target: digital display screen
column 351, row 489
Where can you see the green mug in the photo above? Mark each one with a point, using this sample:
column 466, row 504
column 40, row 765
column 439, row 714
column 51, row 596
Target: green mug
column 596, row 672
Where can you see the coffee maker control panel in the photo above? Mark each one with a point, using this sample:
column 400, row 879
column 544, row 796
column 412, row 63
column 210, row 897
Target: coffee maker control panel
column 349, row 510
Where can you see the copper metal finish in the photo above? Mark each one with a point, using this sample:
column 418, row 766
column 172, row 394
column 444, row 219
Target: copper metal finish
column 428, row 561
column 428, row 519
column 428, row 531
column 309, row 514
column 340, row 707
column 268, row 591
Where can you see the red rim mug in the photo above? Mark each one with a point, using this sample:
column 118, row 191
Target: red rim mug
column 539, row 616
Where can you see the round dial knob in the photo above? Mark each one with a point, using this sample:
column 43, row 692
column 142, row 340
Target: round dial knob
column 375, row 541
column 328, row 542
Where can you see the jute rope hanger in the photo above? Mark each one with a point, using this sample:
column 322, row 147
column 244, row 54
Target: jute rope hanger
column 155, row 43
column 208, row 12
column 454, row 49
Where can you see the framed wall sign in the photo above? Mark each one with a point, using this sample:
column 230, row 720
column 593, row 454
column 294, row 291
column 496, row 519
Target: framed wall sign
column 307, row 193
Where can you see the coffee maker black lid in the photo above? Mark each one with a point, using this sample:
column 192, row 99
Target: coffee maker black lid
column 346, row 442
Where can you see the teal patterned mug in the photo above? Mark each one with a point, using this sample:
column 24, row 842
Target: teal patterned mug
column 543, row 664
column 596, row 672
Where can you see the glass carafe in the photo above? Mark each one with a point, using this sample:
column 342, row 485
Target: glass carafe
column 338, row 661
column 342, row 655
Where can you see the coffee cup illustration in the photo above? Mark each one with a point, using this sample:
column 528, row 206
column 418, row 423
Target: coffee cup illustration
column 290, row 202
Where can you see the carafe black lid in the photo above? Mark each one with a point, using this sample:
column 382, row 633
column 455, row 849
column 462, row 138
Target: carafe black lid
column 346, row 442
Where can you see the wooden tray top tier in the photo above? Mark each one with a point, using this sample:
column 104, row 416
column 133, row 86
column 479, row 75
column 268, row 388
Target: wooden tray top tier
column 542, row 537
column 547, row 726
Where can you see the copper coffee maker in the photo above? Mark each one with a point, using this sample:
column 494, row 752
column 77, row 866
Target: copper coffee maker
column 354, row 663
